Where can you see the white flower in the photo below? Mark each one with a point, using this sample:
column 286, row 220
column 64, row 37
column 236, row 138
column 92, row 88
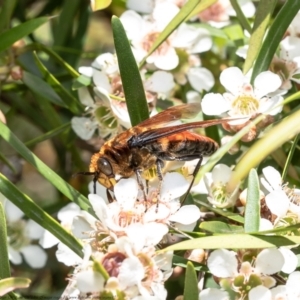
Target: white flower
column 294, row 28
column 290, row 291
column 145, row 223
column 213, row 294
column 218, row 14
column 144, row 7
column 288, row 62
column 224, row 264
column 142, row 32
column 260, row 293
column 160, row 82
column 280, row 199
column 216, row 184
column 243, row 100
column 21, row 234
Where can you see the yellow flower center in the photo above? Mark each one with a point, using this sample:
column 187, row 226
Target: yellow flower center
column 245, row 105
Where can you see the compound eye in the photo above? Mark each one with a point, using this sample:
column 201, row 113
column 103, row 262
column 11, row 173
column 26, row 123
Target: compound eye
column 104, row 166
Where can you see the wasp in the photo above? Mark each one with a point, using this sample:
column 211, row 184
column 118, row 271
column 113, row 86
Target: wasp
column 149, row 144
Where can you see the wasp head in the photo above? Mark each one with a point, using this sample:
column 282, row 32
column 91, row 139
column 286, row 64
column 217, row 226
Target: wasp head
column 103, row 171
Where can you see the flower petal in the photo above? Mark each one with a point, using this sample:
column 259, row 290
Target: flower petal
column 221, row 174
column 214, row 104
column 186, row 215
column 201, row 79
column 213, row 294
column 232, row 79
column 223, row 263
column 273, row 177
column 260, row 293
column 265, row 83
column 126, row 191
column 83, row 127
column 89, row 281
column 85, row 97
column 269, row 261
column 160, row 82
column 278, row 202
column 174, row 185
column 66, row 256
column 34, row 255
column 290, row 260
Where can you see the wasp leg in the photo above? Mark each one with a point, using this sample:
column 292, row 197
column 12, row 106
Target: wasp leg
column 159, row 166
column 196, row 170
column 141, row 185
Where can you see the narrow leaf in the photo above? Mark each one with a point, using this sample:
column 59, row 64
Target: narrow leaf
column 130, row 75
column 6, row 13
column 9, row 37
column 69, row 100
column 4, row 265
column 41, row 88
column 262, row 19
column 240, row 15
column 34, row 212
column 204, row 4
column 52, row 54
column 9, row 284
column 48, row 135
column 288, row 162
column 220, row 227
column 50, row 175
column 190, row 283
column 184, row 12
column 252, row 210
column 236, row 241
column 275, row 35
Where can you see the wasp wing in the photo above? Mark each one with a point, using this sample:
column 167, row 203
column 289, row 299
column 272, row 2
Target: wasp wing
column 185, row 111
column 152, row 135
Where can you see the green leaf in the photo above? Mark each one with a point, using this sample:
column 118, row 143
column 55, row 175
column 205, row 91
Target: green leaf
column 50, row 175
column 63, row 28
column 81, row 81
column 236, row 241
column 51, row 53
column 34, row 212
column 131, row 79
column 48, row 135
column 204, row 4
column 4, row 265
column 183, row 14
column 289, row 158
column 9, row 284
column 41, row 88
column 13, row 35
column 274, row 36
column 100, row 4
column 234, row 32
column 228, row 214
column 252, row 210
column 240, row 15
column 220, row 227
column 262, row 19
column 7, row 9
column 190, row 283
column 69, row 100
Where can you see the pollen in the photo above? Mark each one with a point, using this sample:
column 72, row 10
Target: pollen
column 219, row 193
column 245, row 105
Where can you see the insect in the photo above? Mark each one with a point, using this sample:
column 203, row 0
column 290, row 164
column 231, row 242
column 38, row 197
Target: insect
column 149, row 144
